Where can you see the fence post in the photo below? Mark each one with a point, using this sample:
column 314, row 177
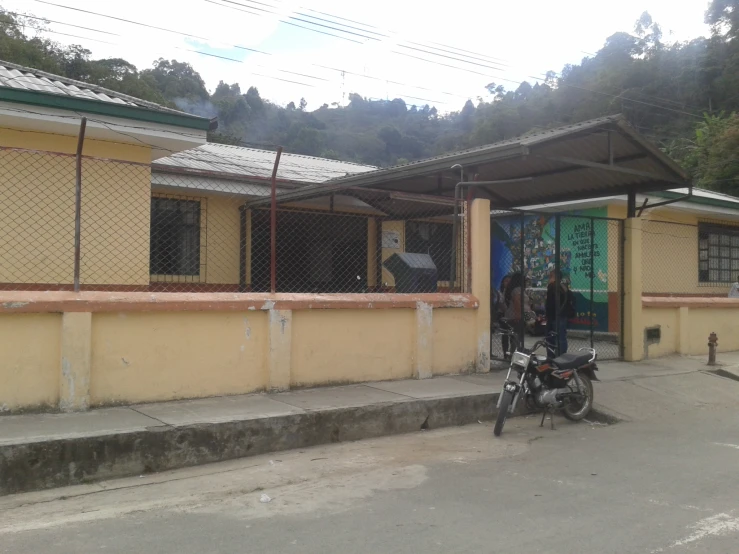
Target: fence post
column 633, row 324
column 592, row 274
column 557, row 283
column 273, row 225
column 78, row 204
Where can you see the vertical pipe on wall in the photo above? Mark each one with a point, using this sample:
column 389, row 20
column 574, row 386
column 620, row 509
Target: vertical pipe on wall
column 78, row 204
column 273, row 224
column 469, row 240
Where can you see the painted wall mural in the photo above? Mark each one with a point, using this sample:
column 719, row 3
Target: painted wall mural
column 539, row 260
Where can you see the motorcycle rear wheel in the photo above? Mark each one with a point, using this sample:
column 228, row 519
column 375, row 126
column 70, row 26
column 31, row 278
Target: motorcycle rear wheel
column 505, row 403
column 578, row 410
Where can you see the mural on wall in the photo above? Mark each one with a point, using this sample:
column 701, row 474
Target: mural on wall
column 539, row 242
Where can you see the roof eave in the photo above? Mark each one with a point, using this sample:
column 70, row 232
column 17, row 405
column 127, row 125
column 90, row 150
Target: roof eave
column 90, row 106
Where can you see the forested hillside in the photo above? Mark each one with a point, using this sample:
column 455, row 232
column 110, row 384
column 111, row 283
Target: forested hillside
column 684, row 96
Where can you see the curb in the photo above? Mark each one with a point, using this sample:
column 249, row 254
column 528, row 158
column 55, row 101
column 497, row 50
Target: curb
column 54, row 463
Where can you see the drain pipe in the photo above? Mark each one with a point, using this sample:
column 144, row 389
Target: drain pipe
column 455, row 227
column 457, row 199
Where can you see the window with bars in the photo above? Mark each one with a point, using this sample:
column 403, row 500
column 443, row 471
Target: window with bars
column 718, row 254
column 175, row 237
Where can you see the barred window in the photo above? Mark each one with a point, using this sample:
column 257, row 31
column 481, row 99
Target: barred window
column 175, row 237
column 718, row 254
column 434, row 239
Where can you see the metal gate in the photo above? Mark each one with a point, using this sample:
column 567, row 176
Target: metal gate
column 582, row 254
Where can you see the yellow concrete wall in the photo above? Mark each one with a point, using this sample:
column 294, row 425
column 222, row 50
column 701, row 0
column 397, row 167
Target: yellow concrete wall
column 670, row 254
column 143, row 357
column 454, row 345
column 669, row 324
column 29, row 361
column 223, row 240
column 346, row 346
column 398, row 227
column 115, row 225
column 701, row 323
column 37, row 211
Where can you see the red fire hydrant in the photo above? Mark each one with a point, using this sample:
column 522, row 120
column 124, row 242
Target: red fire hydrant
column 712, row 344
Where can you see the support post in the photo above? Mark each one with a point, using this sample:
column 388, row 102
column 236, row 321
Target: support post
column 78, row 204
column 424, row 348
column 480, row 235
column 633, row 324
column 273, row 224
column 280, row 349
column 76, row 361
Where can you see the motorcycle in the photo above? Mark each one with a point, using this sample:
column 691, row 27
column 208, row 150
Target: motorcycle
column 564, row 382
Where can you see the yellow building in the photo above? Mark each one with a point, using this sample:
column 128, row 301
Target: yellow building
column 40, row 123
column 176, row 264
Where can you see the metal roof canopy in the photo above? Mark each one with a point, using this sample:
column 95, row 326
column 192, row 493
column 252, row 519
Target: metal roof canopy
column 600, row 157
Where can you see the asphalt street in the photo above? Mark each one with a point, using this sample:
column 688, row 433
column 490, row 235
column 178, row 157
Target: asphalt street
column 666, row 480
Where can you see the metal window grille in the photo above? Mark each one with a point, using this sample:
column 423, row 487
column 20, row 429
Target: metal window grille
column 689, row 259
column 175, row 236
column 718, row 254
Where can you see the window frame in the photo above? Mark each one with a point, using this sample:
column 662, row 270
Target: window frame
column 198, row 273
column 725, row 250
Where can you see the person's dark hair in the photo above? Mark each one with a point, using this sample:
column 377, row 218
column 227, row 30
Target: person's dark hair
column 503, row 283
column 515, row 282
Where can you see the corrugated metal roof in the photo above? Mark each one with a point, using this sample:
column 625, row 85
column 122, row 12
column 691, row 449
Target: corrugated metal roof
column 558, row 165
column 237, row 161
column 25, row 78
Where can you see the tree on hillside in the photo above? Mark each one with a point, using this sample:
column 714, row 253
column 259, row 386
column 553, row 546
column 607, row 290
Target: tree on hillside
column 177, row 80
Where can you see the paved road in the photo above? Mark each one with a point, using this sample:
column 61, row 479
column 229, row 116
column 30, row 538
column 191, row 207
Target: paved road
column 666, row 481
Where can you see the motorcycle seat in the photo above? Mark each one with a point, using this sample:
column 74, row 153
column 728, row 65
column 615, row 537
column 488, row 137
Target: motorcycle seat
column 572, row 361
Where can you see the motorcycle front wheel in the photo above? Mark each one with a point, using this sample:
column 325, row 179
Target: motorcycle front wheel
column 505, row 403
column 577, row 409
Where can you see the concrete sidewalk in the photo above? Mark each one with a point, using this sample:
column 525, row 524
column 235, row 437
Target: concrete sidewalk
column 49, row 450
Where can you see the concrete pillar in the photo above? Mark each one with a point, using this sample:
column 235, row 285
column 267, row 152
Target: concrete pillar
column 480, row 235
column 280, row 348
column 633, row 323
column 683, row 337
column 76, row 361
column 424, row 353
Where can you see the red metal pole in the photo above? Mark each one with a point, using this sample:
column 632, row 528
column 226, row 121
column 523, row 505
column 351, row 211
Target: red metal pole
column 273, row 224
column 78, row 203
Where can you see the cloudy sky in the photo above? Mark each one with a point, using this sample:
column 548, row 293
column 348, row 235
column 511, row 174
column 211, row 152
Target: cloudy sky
column 367, row 47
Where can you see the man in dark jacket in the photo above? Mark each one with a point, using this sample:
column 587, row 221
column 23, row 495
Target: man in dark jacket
column 557, row 319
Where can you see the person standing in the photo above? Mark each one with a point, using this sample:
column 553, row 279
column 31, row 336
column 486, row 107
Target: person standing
column 498, row 312
column 734, row 292
column 557, row 318
column 514, row 310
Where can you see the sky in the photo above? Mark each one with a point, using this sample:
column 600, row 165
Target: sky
column 500, row 42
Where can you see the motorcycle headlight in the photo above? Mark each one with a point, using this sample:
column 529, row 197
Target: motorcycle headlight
column 520, row 359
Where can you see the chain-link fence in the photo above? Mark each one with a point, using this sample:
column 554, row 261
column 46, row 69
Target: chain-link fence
column 357, row 241
column 167, row 228
column 689, row 259
column 587, row 251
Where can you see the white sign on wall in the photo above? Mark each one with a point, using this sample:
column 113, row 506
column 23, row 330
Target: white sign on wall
column 390, row 239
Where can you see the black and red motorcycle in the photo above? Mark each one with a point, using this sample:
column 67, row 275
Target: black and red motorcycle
column 548, row 384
